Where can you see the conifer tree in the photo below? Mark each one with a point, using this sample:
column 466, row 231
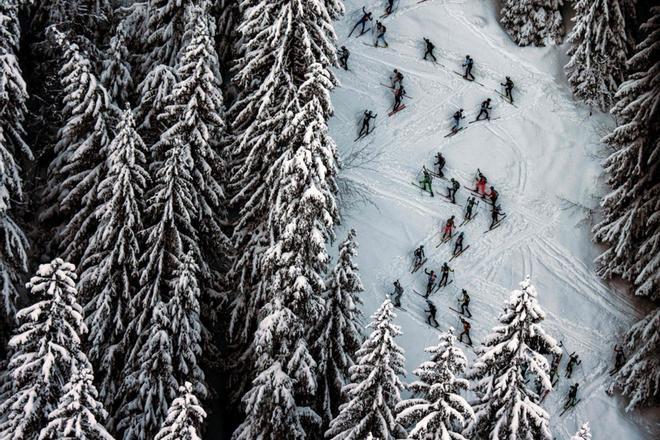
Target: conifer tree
column 599, row 48
column 337, row 334
column 78, row 414
column 10, row 31
column 150, row 386
column 537, row 22
column 505, row 406
column 109, row 276
column 584, row 433
column 438, row 411
column 184, row 417
column 80, row 153
column 186, row 326
column 156, row 87
column 116, row 73
column 374, row 391
column 46, row 346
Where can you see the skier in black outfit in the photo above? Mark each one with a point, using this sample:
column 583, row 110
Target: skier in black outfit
column 495, row 216
column 390, row 6
column 440, row 163
column 572, row 360
column 465, row 304
column 396, row 78
column 429, row 49
column 398, row 292
column 380, row 33
column 485, row 106
column 445, row 275
column 619, row 358
column 366, row 16
column 431, row 281
column 493, row 195
column 508, row 87
column 451, row 191
column 431, row 311
column 398, row 96
column 419, row 255
column 343, row 57
column 571, row 400
column 466, row 331
column 468, row 208
column 368, row 116
column 457, row 120
column 469, row 62
column 458, row 245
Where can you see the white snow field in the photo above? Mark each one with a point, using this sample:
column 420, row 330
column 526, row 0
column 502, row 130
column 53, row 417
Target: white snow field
column 543, row 157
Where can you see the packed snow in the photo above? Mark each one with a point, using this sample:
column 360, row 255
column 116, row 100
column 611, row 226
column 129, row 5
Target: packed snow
column 543, row 156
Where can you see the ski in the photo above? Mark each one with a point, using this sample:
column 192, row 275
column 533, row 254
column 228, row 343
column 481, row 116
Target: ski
column 389, row 87
column 465, row 343
column 451, row 308
column 434, row 174
column 453, row 132
column 418, row 186
column 487, row 119
column 496, row 225
column 417, row 267
column 569, row 408
column 459, row 254
column 397, row 111
column 443, row 241
column 363, row 33
column 465, row 78
column 423, row 296
column 449, row 200
column 363, row 135
column 438, row 287
column 505, row 98
column 401, row 308
column 375, row 45
column 468, row 220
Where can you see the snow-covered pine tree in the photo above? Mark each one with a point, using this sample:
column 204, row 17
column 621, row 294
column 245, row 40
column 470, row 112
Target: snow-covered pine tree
column 374, row 391
column 337, row 335
column 186, row 327
column 78, row 415
column 109, row 265
column 154, row 90
column 630, row 227
column 437, row 410
column 506, row 407
column 584, row 433
column 194, row 113
column 116, row 73
column 45, row 347
column 537, row 22
column 13, row 94
column 71, row 192
column 184, row 417
column 599, row 49
column 150, row 385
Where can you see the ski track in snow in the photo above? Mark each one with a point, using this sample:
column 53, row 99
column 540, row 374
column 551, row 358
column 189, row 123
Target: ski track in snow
column 547, row 135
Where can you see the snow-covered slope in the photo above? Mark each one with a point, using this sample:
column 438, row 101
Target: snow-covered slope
column 543, row 157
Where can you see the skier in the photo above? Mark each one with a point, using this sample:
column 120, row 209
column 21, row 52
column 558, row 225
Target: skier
column 390, row 6
column 440, row 163
column 431, row 281
column 445, row 275
column 465, row 304
column 508, row 87
column 398, row 95
column 572, row 360
column 466, row 331
column 426, row 181
column 380, row 33
column 481, row 183
column 571, row 400
column 485, row 106
column 468, row 208
column 619, row 357
column 493, row 195
column 343, row 57
column 469, row 62
column 429, row 50
column 448, row 229
column 368, row 116
column 419, row 255
column 396, row 78
column 431, row 311
column 451, row 191
column 398, row 292
column 495, row 216
column 366, row 16
column 458, row 245
column 554, row 368
column 457, row 120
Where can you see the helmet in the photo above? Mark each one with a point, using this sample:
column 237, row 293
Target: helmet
column 508, row 77
column 492, row 188
column 467, row 56
column 461, row 110
column 343, row 47
column 488, row 99
column 422, row 246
